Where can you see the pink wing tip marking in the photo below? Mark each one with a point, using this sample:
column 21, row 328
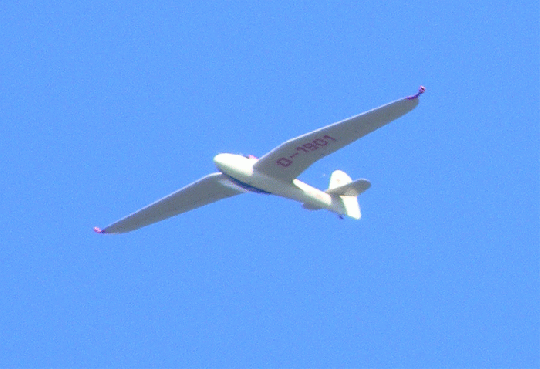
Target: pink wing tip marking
column 98, row 230
column 420, row 92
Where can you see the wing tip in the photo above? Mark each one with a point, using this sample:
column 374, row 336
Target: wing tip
column 421, row 90
column 99, row 230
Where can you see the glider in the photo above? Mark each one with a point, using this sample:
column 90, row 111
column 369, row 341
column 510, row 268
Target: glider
column 275, row 173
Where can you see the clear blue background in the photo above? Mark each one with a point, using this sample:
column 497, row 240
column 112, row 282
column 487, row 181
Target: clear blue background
column 108, row 106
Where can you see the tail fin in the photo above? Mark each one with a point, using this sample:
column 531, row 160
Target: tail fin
column 352, row 207
column 339, row 178
column 342, row 185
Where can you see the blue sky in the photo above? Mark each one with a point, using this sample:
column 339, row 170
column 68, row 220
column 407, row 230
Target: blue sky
column 108, row 106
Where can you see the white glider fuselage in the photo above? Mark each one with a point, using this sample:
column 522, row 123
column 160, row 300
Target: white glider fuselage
column 241, row 174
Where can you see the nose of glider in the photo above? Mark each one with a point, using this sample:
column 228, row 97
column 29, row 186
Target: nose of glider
column 223, row 161
column 233, row 165
column 219, row 160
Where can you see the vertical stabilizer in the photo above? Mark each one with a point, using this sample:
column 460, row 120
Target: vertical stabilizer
column 351, row 206
column 339, row 178
column 350, row 203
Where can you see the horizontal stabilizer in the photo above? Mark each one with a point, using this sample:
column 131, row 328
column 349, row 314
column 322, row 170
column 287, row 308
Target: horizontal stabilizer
column 351, row 189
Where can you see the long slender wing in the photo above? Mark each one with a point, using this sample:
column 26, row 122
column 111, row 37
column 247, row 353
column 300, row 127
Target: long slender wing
column 291, row 158
column 204, row 191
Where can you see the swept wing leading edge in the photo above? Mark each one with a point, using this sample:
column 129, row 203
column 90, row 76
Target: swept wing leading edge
column 291, row 158
column 204, row 191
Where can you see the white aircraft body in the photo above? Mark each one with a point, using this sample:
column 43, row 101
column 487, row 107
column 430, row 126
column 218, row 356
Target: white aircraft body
column 275, row 173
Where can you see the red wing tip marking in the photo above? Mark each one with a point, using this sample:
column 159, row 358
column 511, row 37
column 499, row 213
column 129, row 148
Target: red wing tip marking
column 421, row 90
column 98, row 230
